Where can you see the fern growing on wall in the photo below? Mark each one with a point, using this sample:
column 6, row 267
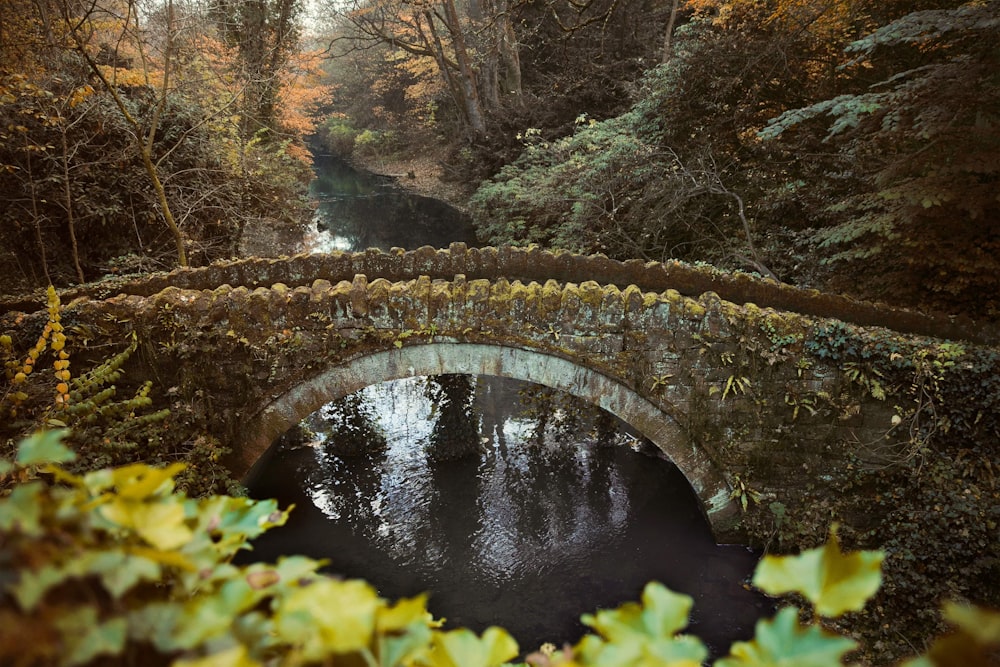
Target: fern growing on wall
column 106, row 429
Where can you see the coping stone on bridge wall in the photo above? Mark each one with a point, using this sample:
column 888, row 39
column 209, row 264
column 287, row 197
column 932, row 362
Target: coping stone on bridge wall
column 531, row 264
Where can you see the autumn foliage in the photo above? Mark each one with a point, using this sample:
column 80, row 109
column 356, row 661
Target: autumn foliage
column 123, row 141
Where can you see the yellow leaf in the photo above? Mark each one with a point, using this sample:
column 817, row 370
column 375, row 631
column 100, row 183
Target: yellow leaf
column 162, row 525
column 139, row 481
column 169, row 558
column 403, row 613
column 232, row 657
column 329, row 616
column 833, row 581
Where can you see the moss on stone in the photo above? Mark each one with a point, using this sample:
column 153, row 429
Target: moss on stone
column 692, row 309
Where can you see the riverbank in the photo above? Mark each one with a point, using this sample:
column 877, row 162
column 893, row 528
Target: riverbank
column 420, row 174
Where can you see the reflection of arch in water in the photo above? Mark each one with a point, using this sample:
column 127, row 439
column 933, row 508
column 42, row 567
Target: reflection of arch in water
column 476, row 359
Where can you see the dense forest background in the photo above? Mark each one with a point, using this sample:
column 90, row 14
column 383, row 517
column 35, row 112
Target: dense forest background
column 141, row 135
column 848, row 145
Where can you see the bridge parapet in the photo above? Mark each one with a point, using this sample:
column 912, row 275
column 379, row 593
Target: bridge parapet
column 534, row 264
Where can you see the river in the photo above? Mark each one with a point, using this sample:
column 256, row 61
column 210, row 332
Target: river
column 511, row 504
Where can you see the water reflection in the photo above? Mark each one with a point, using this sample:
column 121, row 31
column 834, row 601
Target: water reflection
column 357, row 210
column 524, row 531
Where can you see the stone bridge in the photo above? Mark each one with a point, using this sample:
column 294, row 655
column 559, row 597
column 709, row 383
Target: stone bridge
column 733, row 378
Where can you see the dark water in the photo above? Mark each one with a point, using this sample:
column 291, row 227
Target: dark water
column 358, row 210
column 496, row 496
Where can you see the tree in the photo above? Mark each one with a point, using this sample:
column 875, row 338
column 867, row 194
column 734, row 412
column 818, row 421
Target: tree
column 433, row 30
column 81, row 29
column 74, row 165
column 265, row 34
column 924, row 141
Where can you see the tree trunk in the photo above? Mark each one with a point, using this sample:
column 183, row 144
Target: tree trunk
column 70, row 221
column 668, row 45
column 467, row 76
column 510, row 56
column 436, row 48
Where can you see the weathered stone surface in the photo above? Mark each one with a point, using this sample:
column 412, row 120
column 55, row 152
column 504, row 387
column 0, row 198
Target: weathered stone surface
column 539, row 265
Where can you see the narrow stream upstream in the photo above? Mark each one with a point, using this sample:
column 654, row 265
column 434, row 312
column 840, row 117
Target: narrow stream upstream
column 511, row 504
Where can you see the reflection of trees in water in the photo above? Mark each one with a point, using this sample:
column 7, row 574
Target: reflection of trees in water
column 456, row 429
column 560, row 417
column 496, row 400
column 370, row 212
column 517, row 534
column 348, row 426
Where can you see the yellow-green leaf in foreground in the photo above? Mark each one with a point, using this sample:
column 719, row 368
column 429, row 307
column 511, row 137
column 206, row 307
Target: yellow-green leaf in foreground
column 160, row 522
column 84, row 636
column 44, row 447
column 784, row 642
column 402, row 631
column 643, row 634
column 974, row 643
column 329, row 616
column 462, row 648
column 675, row 651
column 833, row 581
column 662, row 614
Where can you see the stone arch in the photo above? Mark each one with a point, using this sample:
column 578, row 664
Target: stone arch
column 510, row 362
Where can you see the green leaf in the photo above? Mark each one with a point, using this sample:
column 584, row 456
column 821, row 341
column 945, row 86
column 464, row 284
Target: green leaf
column 232, row 522
column 784, row 642
column 833, row 581
column 155, row 623
column 21, row 511
column 646, row 633
column 662, row 614
column 120, row 571
column 401, row 647
column 44, row 447
column 678, row 651
column 34, row 584
column 85, row 637
column 402, row 630
column 462, row 648
column 328, row 617
column 208, row 617
column 117, row 570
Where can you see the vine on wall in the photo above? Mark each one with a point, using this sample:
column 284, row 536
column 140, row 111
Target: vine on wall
column 924, row 488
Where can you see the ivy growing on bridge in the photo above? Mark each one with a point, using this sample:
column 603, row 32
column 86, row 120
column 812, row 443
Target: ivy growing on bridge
column 924, row 487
